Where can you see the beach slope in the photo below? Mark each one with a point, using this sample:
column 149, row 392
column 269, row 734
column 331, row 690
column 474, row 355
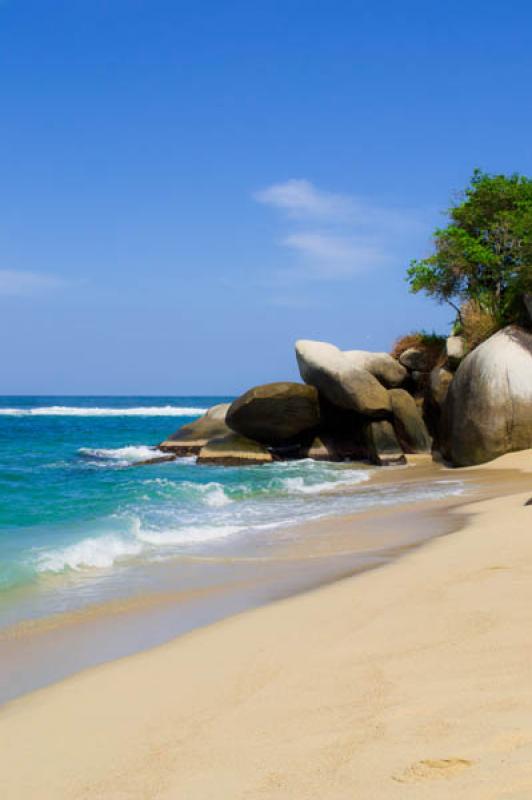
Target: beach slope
column 410, row 681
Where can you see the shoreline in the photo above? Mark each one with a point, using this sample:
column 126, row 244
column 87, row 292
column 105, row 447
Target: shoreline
column 405, row 677
column 39, row 652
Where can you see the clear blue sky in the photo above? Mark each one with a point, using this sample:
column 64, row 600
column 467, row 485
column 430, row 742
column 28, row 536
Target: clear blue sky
column 188, row 187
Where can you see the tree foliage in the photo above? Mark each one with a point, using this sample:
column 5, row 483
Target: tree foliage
column 484, row 255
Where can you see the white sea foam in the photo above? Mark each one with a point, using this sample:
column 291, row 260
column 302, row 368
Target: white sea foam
column 120, row 456
column 103, row 552
column 297, row 485
column 212, row 494
column 96, row 552
column 188, row 534
column 80, row 411
column 174, row 527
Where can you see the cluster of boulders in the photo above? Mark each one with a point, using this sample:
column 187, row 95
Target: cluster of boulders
column 350, row 406
column 355, row 405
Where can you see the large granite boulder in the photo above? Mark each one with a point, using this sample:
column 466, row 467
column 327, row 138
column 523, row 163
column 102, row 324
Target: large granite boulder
column 382, row 366
column 189, row 439
column 275, row 413
column 233, row 450
column 383, row 446
column 488, row 411
column 328, row 369
column 408, row 423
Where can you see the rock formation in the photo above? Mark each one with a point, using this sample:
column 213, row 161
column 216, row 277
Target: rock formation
column 358, row 405
column 488, row 410
column 275, row 413
column 455, row 350
column 382, row 366
column 233, row 450
column 353, row 388
column 415, row 359
column 408, row 423
column 383, row 447
column 189, row 439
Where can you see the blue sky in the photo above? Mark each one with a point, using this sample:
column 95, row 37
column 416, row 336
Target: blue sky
column 188, row 187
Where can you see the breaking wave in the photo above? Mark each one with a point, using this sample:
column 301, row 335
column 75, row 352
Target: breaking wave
column 119, row 456
column 81, row 411
column 181, row 527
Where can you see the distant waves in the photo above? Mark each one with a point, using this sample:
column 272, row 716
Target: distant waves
column 80, row 411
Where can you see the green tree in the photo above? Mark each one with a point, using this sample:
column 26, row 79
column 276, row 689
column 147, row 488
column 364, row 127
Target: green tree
column 484, row 254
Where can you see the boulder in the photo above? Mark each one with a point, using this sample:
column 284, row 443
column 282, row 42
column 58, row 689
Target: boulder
column 383, row 447
column 233, row 450
column 342, row 432
column 382, row 366
column 408, row 423
column 439, row 382
column 275, row 413
column 455, row 350
column 189, row 439
column 415, row 359
column 488, row 411
column 328, row 369
column 337, row 445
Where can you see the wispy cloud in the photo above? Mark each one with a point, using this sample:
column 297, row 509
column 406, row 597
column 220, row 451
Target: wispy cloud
column 336, row 236
column 333, row 256
column 300, row 199
column 16, row 283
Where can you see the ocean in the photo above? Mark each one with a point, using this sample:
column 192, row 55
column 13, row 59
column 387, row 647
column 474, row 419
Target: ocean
column 79, row 525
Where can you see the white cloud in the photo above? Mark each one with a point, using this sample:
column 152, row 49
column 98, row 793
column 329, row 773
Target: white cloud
column 299, row 198
column 15, row 283
column 336, row 236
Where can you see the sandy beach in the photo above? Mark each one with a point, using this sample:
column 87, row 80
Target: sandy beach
column 410, row 680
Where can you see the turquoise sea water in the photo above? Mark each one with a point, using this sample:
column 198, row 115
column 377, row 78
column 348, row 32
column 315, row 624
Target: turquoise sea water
column 72, row 505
